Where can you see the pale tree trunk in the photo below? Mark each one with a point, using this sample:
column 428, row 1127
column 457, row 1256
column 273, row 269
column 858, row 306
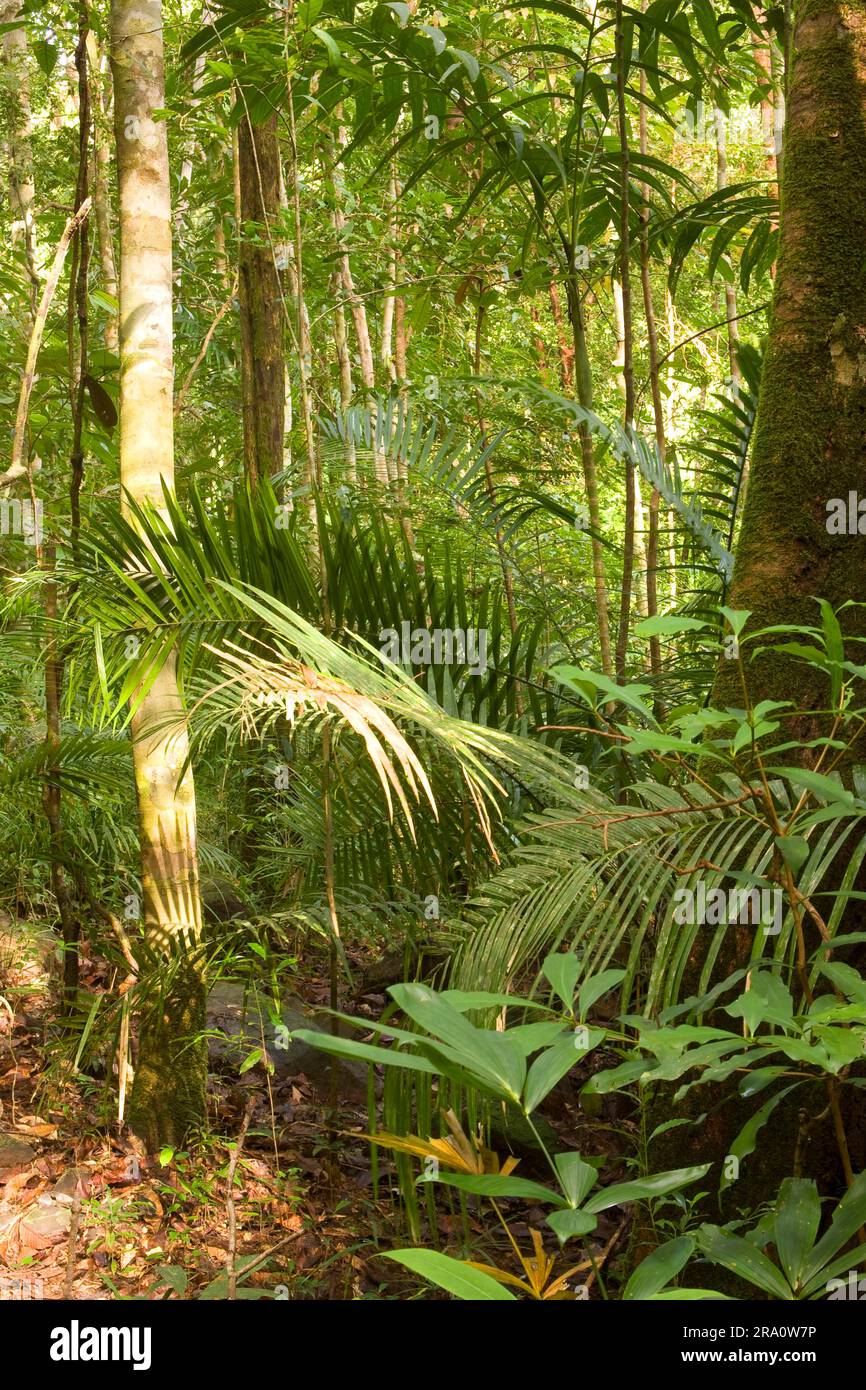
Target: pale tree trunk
column 356, row 304
column 303, row 336
column 507, row 578
column 583, row 381
column 652, row 549
column 622, row 352
column 22, row 188
column 730, row 291
column 627, row 369
column 386, row 347
column 341, row 336
column 101, row 184
column 670, row 425
column 344, row 366
column 168, row 1094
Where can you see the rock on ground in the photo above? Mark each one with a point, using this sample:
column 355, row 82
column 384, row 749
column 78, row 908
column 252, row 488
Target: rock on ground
column 237, row 1021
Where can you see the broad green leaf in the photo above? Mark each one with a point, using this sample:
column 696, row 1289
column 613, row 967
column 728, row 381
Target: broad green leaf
column 794, row 849
column 797, row 1218
column 848, row 1217
column 656, row 1185
column 669, row 626
column 497, row 1185
column 827, row 788
column 743, row 1259
column 365, row 1052
column 561, row 969
column 556, row 1062
column 570, row 1223
column 659, row 1268
column 846, row 979
column 745, row 1141
column 452, row 1275
column 576, row 1175
column 483, row 1051
column 593, row 989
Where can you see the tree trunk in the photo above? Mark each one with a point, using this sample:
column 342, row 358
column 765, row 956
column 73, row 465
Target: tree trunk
column 101, row 200
column 730, row 290
column 17, row 94
column 356, row 304
column 168, row 1094
column 260, row 297
column 628, row 551
column 652, row 546
column 809, row 433
column 583, row 380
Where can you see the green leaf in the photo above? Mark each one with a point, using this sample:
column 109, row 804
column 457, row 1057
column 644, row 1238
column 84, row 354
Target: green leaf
column 597, row 985
column 659, row 1268
column 743, row 1259
column 329, row 41
column 488, row 1054
column 826, row 788
column 250, row 1061
column 848, row 1217
column 835, row 648
column 689, row 1296
column 45, row 54
column 794, row 849
column 569, row 1223
column 561, row 969
column 745, row 1142
column 797, row 1218
column 576, row 1175
column 576, row 679
column 654, row 1186
column 496, row 1185
column 452, row 1275
column 659, row 626
column 736, row 618
column 366, row 1052
column 768, row 1000
column 849, row 981
column 553, row 1065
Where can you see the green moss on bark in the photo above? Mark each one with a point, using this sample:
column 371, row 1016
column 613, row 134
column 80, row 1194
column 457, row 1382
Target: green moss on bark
column 168, row 1093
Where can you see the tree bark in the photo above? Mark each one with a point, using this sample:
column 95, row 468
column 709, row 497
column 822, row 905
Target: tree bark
column 101, row 200
column 13, row 46
column 628, row 555
column 809, row 433
column 168, row 1094
column 260, row 298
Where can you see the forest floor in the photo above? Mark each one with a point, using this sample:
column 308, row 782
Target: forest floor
column 82, row 1216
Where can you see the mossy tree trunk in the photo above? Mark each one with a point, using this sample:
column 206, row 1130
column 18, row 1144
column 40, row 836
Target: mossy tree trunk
column 260, row 298
column 809, row 447
column 168, row 1094
column 810, row 436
